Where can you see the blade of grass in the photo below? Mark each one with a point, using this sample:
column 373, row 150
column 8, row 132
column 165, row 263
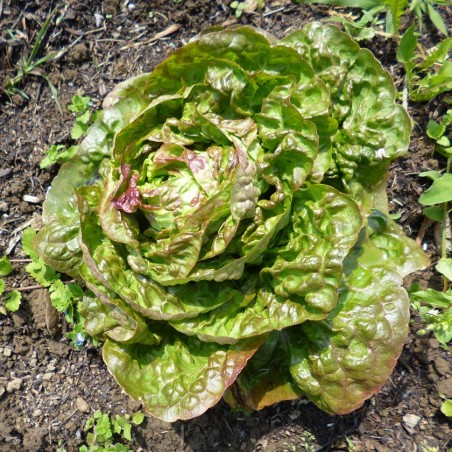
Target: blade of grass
column 41, row 35
column 436, row 19
column 53, row 90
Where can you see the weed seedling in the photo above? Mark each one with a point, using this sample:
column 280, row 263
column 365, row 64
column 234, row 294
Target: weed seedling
column 31, row 65
column 59, row 153
column 13, row 298
column 428, row 72
column 435, row 307
column 239, row 8
column 103, row 429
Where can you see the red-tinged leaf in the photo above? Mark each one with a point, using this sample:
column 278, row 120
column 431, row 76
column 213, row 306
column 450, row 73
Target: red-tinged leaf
column 180, row 378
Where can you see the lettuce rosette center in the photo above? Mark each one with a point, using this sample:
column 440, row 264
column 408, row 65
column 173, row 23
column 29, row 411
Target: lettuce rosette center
column 218, row 211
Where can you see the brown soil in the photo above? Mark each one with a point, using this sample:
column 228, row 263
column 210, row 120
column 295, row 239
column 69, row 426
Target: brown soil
column 47, row 388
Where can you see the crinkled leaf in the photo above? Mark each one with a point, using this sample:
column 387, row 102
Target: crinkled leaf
column 395, row 247
column 346, row 359
column 180, row 378
column 57, row 243
column 363, row 102
column 113, row 319
column 266, row 379
column 303, row 281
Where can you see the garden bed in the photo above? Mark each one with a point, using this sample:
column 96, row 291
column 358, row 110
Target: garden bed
column 48, row 388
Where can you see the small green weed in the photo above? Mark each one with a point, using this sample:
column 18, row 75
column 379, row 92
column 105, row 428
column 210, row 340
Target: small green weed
column 30, row 65
column 446, row 408
column 59, row 153
column 435, row 307
column 428, row 72
column 427, row 8
column 363, row 27
column 239, row 7
column 102, row 430
column 307, row 441
column 65, row 297
column 13, row 298
column 393, row 10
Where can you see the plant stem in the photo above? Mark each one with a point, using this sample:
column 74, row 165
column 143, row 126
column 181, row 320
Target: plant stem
column 444, row 231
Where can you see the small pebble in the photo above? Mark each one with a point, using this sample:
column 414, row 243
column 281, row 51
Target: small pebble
column 14, row 384
column 411, row 420
column 31, row 199
column 7, row 351
column 37, row 412
column 47, row 376
column 82, row 405
column 98, row 19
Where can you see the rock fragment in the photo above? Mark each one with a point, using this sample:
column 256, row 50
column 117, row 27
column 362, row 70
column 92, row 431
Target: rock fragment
column 14, row 384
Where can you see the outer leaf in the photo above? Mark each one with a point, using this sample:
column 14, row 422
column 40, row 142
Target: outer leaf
column 363, row 102
column 346, row 359
column 57, row 243
column 181, row 378
column 114, row 320
column 266, row 379
column 395, row 247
